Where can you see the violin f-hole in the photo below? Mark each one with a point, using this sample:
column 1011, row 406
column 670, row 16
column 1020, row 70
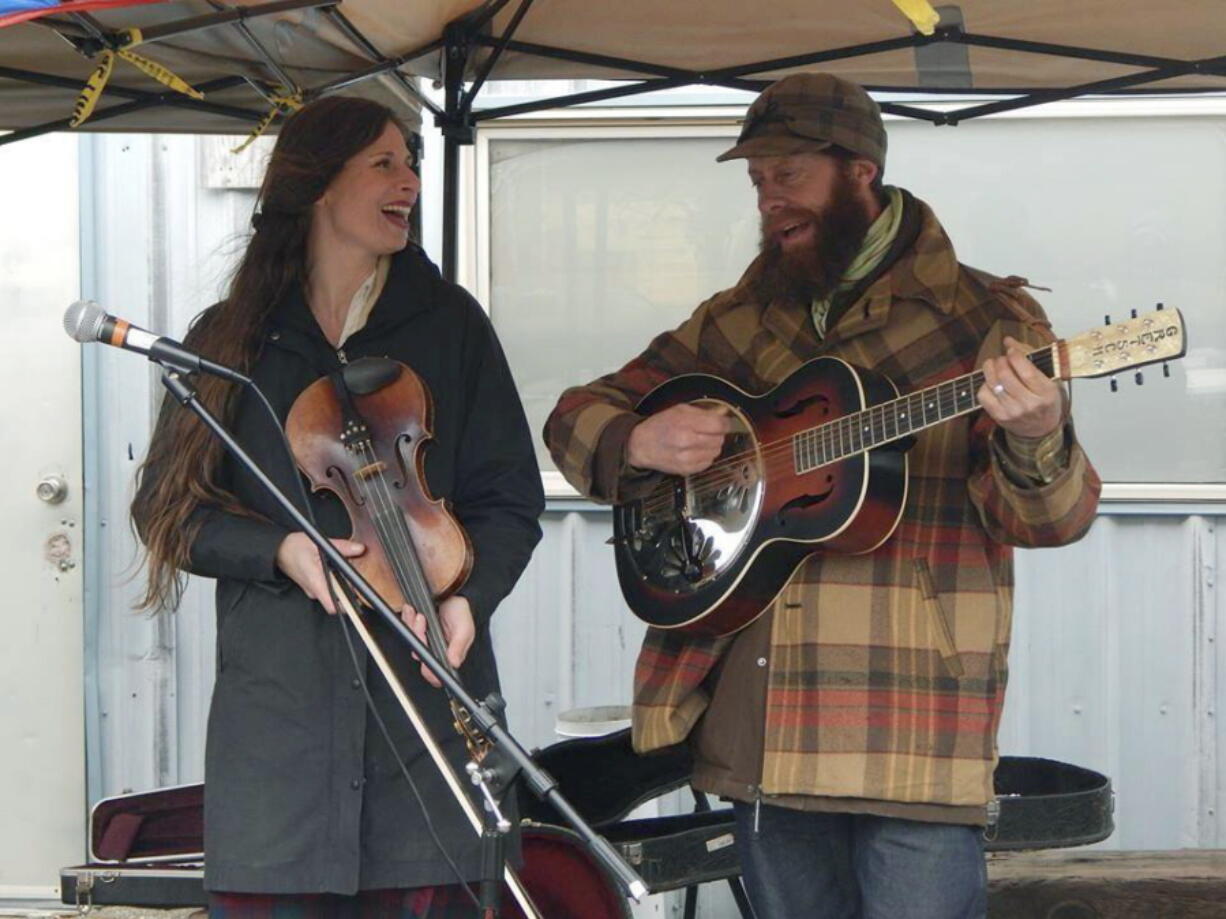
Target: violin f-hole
column 338, row 477
column 404, row 457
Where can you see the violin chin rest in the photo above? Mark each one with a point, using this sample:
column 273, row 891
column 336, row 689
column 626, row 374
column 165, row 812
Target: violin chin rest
column 370, row 374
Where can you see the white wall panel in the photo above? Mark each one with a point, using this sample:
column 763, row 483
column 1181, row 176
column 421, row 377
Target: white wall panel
column 1107, row 669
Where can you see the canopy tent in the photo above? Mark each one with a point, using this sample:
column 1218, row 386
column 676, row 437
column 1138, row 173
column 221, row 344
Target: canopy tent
column 252, row 61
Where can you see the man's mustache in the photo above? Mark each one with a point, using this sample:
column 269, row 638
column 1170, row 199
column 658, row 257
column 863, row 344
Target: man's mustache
column 774, row 224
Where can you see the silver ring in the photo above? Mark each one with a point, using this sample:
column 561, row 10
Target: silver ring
column 999, row 389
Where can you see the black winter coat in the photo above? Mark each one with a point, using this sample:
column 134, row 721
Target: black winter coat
column 301, row 792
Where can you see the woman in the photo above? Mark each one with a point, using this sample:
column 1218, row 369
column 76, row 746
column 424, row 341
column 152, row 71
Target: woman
column 305, row 805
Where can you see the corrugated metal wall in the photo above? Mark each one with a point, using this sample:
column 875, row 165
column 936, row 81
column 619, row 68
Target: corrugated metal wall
column 1117, row 664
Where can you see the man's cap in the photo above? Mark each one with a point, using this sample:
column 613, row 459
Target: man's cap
column 808, row 112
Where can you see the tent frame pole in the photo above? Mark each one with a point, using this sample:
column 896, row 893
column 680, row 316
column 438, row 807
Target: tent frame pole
column 457, row 128
column 342, row 22
column 138, row 101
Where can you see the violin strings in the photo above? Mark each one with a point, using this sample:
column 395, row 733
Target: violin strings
column 411, row 576
column 398, row 543
column 397, row 537
column 379, row 518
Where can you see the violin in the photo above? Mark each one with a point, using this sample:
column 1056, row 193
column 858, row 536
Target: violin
column 361, row 434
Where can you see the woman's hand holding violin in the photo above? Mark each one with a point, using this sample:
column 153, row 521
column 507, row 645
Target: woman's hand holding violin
column 456, row 618
column 298, row 559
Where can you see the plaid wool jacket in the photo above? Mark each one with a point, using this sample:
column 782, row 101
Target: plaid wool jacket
column 886, row 671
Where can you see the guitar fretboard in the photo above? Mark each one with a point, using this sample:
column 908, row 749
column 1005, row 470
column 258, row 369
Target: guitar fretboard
column 880, row 424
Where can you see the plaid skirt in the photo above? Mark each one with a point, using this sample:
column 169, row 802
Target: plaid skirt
column 451, row 902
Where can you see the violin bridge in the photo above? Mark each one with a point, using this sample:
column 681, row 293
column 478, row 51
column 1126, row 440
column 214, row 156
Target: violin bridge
column 370, row 470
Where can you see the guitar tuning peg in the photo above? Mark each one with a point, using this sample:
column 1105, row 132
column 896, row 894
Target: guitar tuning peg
column 1160, row 306
column 1166, row 369
column 1115, row 387
column 1134, row 314
column 1140, row 380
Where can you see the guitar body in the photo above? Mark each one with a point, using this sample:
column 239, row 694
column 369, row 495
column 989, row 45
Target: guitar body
column 707, row 553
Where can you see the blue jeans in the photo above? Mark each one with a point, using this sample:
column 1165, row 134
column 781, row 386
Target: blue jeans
column 806, row 865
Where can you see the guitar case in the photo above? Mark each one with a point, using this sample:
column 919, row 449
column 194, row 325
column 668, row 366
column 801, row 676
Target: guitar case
column 146, row 849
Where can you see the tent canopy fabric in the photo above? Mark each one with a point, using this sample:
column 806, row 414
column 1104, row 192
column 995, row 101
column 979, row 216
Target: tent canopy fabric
column 243, row 54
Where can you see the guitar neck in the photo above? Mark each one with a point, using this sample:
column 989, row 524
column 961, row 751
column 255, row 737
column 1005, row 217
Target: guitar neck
column 888, row 421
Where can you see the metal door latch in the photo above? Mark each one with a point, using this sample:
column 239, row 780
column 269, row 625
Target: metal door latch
column 53, row 489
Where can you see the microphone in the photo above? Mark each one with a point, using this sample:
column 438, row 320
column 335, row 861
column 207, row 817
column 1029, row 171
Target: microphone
column 86, row 321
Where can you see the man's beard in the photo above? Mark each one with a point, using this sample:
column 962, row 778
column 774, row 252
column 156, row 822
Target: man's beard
column 813, row 272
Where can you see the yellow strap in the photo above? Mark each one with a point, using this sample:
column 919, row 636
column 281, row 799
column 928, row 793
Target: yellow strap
column 921, row 14
column 91, row 92
column 92, row 89
column 280, row 105
column 160, row 73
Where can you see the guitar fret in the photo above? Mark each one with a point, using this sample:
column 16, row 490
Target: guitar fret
column 886, row 422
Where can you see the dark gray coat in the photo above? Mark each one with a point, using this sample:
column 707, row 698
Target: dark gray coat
column 301, row 793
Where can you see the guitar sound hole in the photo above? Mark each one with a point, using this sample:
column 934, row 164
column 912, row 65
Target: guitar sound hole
column 795, row 408
column 803, row 502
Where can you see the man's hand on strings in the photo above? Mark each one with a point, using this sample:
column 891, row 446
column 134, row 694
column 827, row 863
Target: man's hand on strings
column 1018, row 396
column 459, row 630
column 680, row 440
column 298, row 559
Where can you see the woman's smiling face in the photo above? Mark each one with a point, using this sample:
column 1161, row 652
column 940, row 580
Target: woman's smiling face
column 368, row 203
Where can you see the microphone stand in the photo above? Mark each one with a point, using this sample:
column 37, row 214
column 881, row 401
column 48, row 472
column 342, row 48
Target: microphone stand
column 512, row 757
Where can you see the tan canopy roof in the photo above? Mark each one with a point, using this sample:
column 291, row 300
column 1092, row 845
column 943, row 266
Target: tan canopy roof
column 984, row 46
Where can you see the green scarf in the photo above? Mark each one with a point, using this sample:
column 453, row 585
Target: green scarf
column 877, row 242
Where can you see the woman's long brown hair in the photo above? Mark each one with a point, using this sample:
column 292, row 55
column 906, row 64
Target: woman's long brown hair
column 181, row 471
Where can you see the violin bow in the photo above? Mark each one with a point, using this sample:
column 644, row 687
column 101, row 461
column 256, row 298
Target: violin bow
column 410, row 709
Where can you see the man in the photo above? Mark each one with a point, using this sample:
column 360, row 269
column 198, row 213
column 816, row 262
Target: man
column 854, row 723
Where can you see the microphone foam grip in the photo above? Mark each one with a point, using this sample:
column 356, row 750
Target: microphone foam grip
column 83, row 321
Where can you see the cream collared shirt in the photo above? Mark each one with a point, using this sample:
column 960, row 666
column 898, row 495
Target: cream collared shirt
column 364, row 299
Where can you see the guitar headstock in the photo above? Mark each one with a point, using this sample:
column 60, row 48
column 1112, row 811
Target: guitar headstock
column 1148, row 339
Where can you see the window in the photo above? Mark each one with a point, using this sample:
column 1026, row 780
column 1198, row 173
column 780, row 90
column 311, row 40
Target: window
column 596, row 238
